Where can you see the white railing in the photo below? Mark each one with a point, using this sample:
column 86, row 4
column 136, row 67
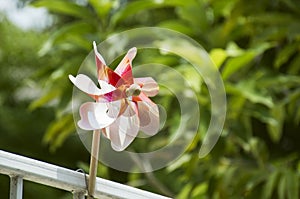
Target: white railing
column 21, row 168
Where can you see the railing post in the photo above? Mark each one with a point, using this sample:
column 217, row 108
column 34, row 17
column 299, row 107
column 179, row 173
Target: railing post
column 78, row 195
column 16, row 187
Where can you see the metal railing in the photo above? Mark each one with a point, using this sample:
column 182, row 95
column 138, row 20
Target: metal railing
column 21, row 168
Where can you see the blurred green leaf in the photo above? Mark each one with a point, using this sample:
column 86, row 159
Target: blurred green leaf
column 191, row 76
column 137, row 6
column 271, row 18
column 196, row 15
column 58, row 131
column 294, row 5
column 259, row 151
column 65, row 7
column 282, row 187
column 46, row 98
column 294, row 67
column 177, row 25
column 199, row 191
column 233, row 50
column 292, row 182
column 236, row 63
column 242, row 58
column 223, row 7
column 247, row 89
column 285, row 54
column 179, row 162
column 102, row 7
column 275, row 128
column 270, row 186
column 256, row 179
column 185, row 191
column 68, row 33
column 218, row 56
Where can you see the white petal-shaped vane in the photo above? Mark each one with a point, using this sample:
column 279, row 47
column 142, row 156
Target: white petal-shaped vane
column 126, row 61
column 98, row 55
column 123, row 131
column 85, row 84
column 97, row 115
column 148, row 85
column 149, row 117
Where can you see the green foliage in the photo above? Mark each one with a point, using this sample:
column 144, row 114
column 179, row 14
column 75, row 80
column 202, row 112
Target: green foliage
column 255, row 45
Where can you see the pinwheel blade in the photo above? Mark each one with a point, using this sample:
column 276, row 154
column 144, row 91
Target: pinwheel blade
column 98, row 115
column 148, row 85
column 124, row 129
column 124, row 69
column 85, row 84
column 104, row 72
column 149, row 117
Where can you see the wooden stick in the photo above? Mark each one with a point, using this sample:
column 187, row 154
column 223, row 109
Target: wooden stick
column 94, row 163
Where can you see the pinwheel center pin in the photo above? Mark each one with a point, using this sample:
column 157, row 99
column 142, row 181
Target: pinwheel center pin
column 133, row 90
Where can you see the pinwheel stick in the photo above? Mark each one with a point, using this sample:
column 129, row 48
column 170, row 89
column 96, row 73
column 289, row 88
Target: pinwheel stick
column 94, row 163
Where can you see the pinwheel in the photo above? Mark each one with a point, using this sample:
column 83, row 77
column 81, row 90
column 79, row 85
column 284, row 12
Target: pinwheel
column 121, row 106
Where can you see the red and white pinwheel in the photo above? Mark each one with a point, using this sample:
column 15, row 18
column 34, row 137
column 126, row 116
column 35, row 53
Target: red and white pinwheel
column 122, row 107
